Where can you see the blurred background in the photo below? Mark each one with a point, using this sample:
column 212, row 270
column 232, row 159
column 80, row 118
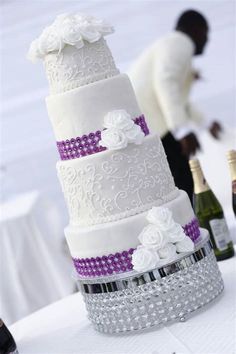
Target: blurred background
column 33, row 211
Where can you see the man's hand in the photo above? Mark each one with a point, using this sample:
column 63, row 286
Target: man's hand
column 190, row 145
column 197, row 75
column 215, row 130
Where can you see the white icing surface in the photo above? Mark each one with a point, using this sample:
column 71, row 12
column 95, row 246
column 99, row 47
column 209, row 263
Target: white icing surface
column 72, row 67
column 121, row 235
column 112, row 185
column 82, row 110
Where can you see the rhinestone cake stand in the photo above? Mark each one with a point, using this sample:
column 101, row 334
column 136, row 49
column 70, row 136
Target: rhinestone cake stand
column 134, row 301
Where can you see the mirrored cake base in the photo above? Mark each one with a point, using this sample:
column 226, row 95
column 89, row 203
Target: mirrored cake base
column 133, row 301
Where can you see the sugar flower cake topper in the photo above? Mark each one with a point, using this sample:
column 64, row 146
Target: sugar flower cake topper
column 160, row 240
column 120, row 130
column 68, row 29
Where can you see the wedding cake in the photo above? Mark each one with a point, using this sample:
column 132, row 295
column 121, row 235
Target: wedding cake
column 139, row 255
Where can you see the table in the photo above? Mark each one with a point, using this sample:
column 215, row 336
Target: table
column 63, row 328
column 33, row 269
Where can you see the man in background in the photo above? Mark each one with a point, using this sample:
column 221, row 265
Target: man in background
column 162, row 78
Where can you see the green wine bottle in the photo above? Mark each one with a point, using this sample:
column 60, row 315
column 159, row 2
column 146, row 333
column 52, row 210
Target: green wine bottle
column 232, row 166
column 210, row 214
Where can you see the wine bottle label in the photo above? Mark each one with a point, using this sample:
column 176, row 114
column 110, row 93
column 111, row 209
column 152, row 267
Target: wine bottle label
column 220, row 232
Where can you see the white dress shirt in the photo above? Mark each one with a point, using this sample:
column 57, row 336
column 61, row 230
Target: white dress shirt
column 162, row 78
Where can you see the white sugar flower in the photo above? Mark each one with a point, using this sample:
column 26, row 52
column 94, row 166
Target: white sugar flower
column 151, row 237
column 103, row 27
column 50, row 41
column 90, row 33
column 161, row 217
column 60, row 18
column 118, row 119
column 68, row 29
column 135, row 134
column 70, row 32
column 186, row 245
column 82, row 18
column 144, row 259
column 168, row 252
column 175, row 233
column 113, row 139
column 34, row 53
column 100, row 25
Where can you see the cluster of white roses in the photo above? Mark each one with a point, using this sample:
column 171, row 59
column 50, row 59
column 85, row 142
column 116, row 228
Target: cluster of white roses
column 161, row 240
column 120, row 130
column 70, row 29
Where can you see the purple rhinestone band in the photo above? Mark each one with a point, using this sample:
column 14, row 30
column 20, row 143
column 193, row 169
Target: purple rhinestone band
column 105, row 265
column 121, row 262
column 89, row 144
column 192, row 230
column 80, row 146
column 142, row 123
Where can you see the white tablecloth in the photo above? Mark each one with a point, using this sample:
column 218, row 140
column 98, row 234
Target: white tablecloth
column 33, row 269
column 63, row 328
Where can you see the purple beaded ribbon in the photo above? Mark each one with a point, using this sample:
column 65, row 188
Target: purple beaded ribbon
column 192, row 230
column 89, row 144
column 105, row 265
column 121, row 261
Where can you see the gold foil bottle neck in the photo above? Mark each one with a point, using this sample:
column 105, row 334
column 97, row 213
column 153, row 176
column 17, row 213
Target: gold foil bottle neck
column 194, row 163
column 231, row 155
column 200, row 183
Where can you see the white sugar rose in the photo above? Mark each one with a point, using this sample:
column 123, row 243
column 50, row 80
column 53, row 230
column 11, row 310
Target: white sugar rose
column 186, row 245
column 176, row 233
column 113, row 139
column 144, row 259
column 60, row 18
column 152, row 237
column 135, row 134
column 168, row 252
column 34, row 53
column 103, row 27
column 100, row 25
column 119, row 119
column 90, row 33
column 70, row 29
column 81, row 17
column 161, row 217
column 70, row 32
column 50, row 41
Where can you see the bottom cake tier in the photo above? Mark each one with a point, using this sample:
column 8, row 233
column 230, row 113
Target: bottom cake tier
column 134, row 301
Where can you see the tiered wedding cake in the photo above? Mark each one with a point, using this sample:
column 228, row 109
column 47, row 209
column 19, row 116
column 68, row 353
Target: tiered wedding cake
column 131, row 232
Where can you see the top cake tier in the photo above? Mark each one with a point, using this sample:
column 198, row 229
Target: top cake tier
column 74, row 52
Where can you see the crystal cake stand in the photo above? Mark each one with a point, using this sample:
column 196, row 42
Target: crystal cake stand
column 134, row 301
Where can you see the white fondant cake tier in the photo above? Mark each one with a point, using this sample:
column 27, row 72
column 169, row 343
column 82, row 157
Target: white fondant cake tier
column 75, row 67
column 112, row 185
column 109, row 238
column 82, row 110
